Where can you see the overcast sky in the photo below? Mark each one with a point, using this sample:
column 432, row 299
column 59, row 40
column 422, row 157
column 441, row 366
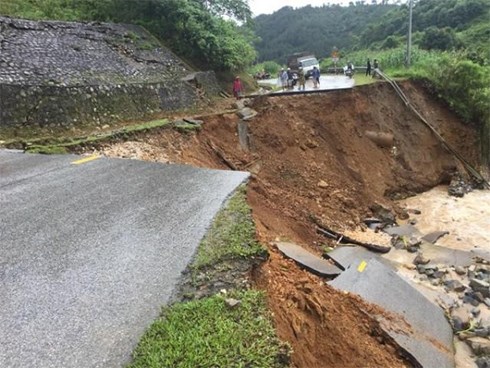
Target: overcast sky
column 270, row 6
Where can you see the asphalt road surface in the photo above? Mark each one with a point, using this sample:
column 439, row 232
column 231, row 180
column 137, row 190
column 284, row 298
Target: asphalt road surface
column 327, row 82
column 89, row 252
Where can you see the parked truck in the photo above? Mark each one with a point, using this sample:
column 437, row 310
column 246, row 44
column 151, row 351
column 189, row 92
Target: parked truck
column 304, row 60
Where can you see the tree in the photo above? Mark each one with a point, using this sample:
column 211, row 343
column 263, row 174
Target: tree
column 438, row 39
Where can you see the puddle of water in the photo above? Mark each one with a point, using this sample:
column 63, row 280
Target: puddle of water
column 467, row 219
column 327, row 82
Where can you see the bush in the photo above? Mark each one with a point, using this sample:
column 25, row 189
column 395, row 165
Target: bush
column 270, row 67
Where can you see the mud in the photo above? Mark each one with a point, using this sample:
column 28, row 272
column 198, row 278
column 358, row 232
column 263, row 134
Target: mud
column 310, row 158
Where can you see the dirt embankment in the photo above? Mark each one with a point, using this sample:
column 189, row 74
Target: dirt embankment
column 309, row 156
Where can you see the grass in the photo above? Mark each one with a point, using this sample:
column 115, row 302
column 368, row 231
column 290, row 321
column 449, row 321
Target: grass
column 231, row 236
column 63, row 145
column 208, row 333
column 361, row 79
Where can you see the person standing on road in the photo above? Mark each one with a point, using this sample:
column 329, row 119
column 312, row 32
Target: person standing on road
column 316, row 77
column 284, row 79
column 290, row 78
column 375, row 68
column 301, row 80
column 237, row 88
column 368, row 68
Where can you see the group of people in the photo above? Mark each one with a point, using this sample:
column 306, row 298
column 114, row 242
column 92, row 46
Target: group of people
column 375, row 66
column 289, row 79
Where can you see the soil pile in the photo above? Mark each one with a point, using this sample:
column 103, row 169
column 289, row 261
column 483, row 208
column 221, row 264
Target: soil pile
column 310, row 157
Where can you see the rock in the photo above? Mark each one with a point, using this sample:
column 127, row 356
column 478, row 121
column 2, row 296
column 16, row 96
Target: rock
column 463, row 316
column 322, row 184
column 487, row 302
column 383, row 214
column 460, row 270
column 382, row 139
column 232, row 303
column 420, row 259
column 481, row 331
column 409, row 266
column 247, row 113
column 480, row 286
column 479, row 296
column 475, row 312
column 414, row 242
column 479, row 345
column 468, row 299
column 429, row 272
column 439, row 274
column 414, row 211
column 311, row 144
column 483, row 362
column 413, row 249
column 106, row 126
column 458, row 324
column 455, row 285
column 421, row 269
column 398, row 242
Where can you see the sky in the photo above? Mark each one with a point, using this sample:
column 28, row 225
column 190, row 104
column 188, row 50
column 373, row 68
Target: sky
column 270, row 6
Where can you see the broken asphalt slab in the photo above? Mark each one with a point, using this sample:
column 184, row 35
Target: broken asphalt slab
column 308, row 260
column 429, row 340
column 434, row 236
column 91, row 251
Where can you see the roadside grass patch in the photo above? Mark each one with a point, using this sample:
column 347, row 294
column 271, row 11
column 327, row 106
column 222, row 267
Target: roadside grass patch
column 231, row 236
column 206, row 331
column 209, row 333
column 361, row 79
column 47, row 150
column 63, row 145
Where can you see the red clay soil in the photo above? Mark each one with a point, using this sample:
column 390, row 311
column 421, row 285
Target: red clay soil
column 309, row 156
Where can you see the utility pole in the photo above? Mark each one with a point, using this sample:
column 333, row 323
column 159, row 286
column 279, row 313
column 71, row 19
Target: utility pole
column 409, row 42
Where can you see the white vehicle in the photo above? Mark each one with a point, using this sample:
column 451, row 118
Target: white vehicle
column 308, row 63
column 303, row 60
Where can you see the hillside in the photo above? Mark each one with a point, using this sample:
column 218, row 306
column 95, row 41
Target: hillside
column 440, row 25
column 316, row 29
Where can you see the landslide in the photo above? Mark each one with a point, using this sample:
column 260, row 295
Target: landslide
column 309, row 156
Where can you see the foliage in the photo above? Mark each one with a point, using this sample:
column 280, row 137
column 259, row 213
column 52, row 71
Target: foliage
column 456, row 14
column 313, row 29
column 438, row 39
column 232, row 234
column 270, row 67
column 194, row 29
column 208, row 333
column 391, row 42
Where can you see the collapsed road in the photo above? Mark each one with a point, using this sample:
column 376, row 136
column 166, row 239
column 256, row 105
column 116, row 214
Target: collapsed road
column 91, row 249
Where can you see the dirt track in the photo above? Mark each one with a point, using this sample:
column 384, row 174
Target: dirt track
column 309, row 156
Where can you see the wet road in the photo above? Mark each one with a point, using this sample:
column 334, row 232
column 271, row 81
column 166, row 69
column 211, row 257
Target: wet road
column 89, row 252
column 327, row 82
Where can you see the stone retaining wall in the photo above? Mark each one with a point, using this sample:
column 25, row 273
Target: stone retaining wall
column 63, row 73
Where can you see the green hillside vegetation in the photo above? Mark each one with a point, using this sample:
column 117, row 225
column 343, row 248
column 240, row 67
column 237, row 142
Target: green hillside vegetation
column 437, row 25
column 314, row 29
column 194, row 29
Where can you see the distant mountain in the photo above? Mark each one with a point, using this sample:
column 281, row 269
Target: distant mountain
column 314, row 29
column 437, row 24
